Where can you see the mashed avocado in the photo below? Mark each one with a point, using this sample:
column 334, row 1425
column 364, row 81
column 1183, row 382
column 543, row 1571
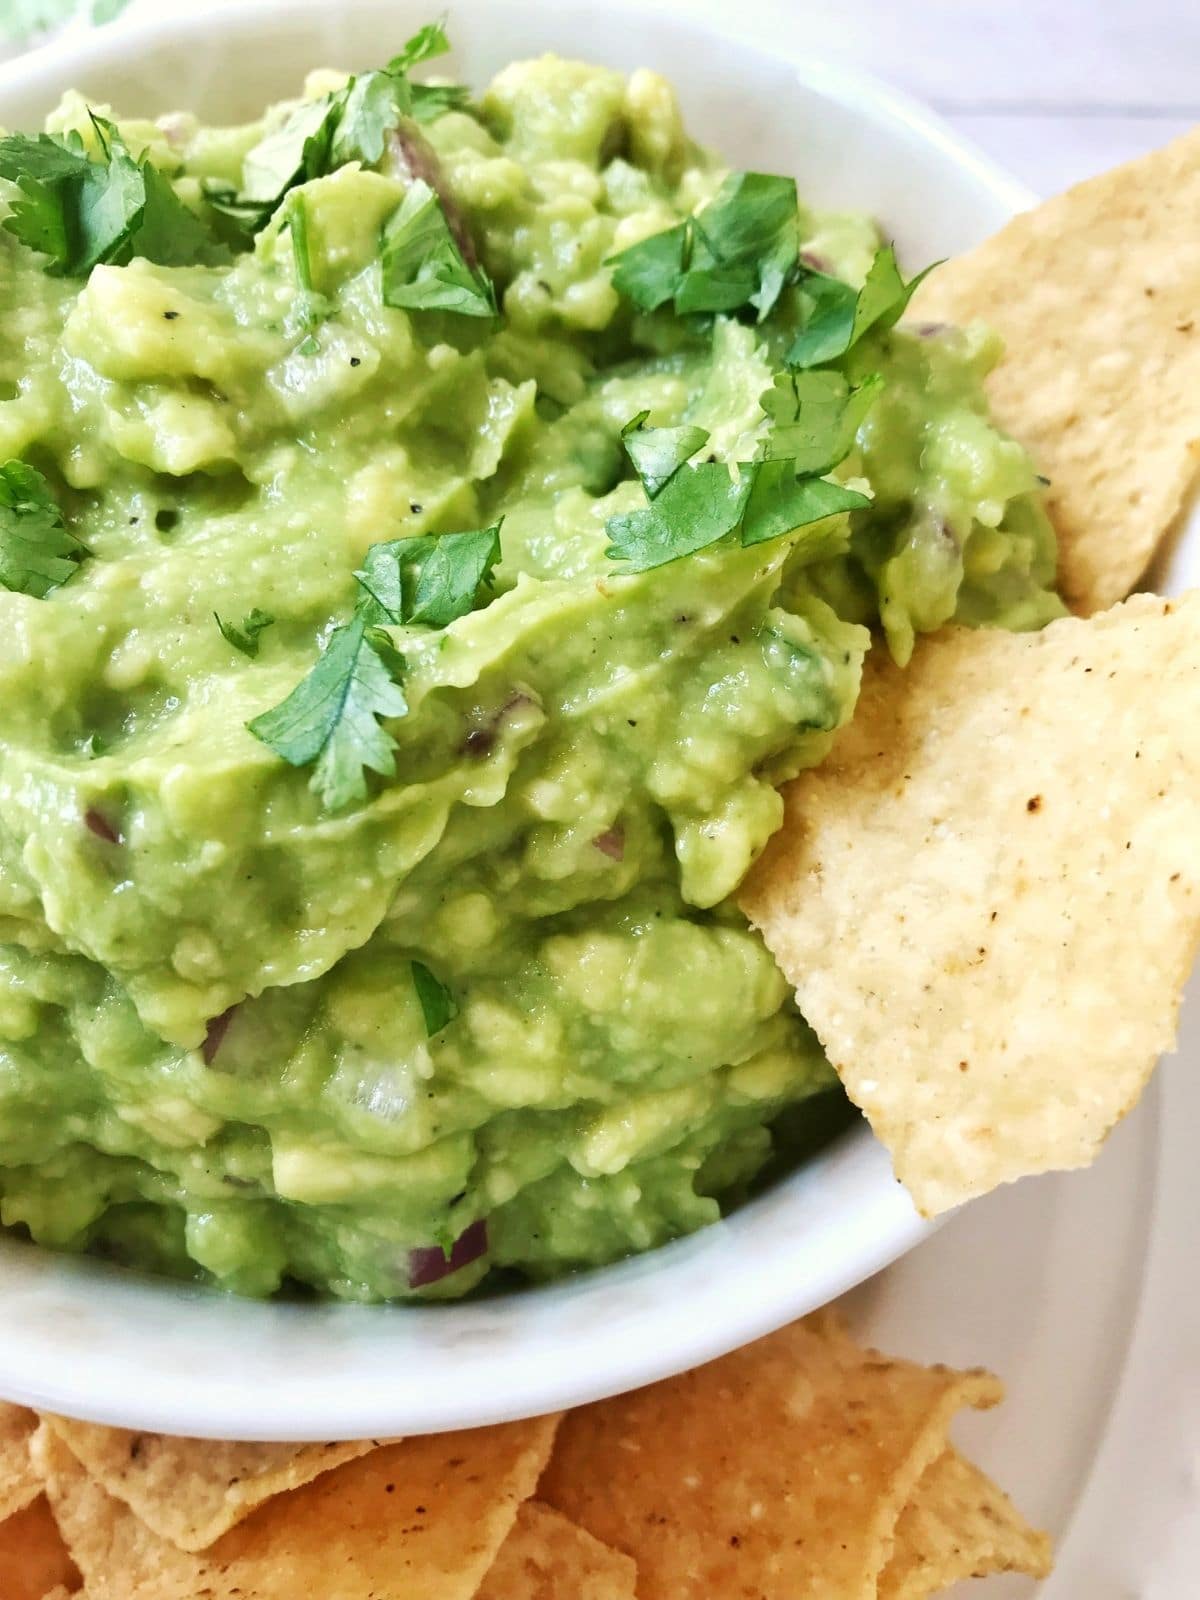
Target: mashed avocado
column 381, row 945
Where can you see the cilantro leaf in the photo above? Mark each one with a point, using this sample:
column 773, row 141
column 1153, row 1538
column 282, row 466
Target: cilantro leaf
column 41, row 168
column 298, row 229
column 292, row 153
column 330, row 719
column 695, row 508
column 110, row 205
column 169, row 232
column 241, row 218
column 352, row 124
column 740, row 250
column 840, row 314
column 373, row 104
column 425, row 44
column 650, row 273
column 245, row 637
column 747, row 241
column 312, row 308
column 80, row 212
column 37, row 554
column 781, row 502
column 432, row 100
column 434, row 578
column 816, row 416
column 423, row 266
column 658, row 453
column 438, row 1006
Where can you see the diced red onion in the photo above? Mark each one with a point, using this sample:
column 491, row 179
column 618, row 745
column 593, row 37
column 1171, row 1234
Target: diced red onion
column 611, row 843
column 481, row 740
column 410, row 156
column 815, row 262
column 96, row 822
column 218, row 1027
column 429, row 1263
column 176, row 128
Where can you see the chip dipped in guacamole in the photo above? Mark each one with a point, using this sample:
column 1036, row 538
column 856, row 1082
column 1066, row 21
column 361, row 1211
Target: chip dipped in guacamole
column 431, row 528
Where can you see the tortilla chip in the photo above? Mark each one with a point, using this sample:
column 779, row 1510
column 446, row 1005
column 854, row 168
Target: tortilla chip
column 33, row 1557
column 1097, row 296
column 780, row 1469
column 546, row 1557
column 987, row 897
column 191, row 1491
column 959, row 1525
column 424, row 1517
column 19, row 1484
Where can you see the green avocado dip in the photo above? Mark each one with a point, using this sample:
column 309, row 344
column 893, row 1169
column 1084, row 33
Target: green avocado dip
column 430, row 529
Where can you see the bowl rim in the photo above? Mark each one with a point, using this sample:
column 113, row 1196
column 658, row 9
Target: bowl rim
column 98, row 46
column 884, row 1229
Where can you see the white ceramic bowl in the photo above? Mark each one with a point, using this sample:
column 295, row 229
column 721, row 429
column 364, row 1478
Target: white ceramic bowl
column 92, row 1340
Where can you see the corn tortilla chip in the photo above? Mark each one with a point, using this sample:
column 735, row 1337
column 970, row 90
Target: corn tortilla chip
column 424, row 1518
column 547, row 1557
column 1097, row 296
column 191, row 1491
column 780, row 1469
column 33, row 1558
column 959, row 1525
column 19, row 1484
column 987, row 898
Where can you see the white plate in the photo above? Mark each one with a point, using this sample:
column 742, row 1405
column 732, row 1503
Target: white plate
column 87, row 1339
column 1080, row 1290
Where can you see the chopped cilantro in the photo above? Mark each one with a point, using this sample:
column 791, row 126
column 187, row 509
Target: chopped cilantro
column 241, row 219
column 319, row 136
column 37, row 554
column 245, row 637
column 80, row 212
column 437, row 1003
column 740, row 250
column 695, row 508
column 658, row 453
column 423, row 267
column 331, row 717
column 425, row 44
column 372, row 106
column 298, row 229
column 432, row 578
column 432, row 100
column 841, row 314
column 312, row 308
column 650, row 273
column 781, row 501
column 815, row 416
column 292, row 153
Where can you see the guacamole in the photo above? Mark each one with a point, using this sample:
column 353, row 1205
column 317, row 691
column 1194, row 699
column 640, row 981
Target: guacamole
column 389, row 703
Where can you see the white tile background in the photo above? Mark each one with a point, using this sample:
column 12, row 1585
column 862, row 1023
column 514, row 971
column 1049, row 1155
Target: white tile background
column 1053, row 89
